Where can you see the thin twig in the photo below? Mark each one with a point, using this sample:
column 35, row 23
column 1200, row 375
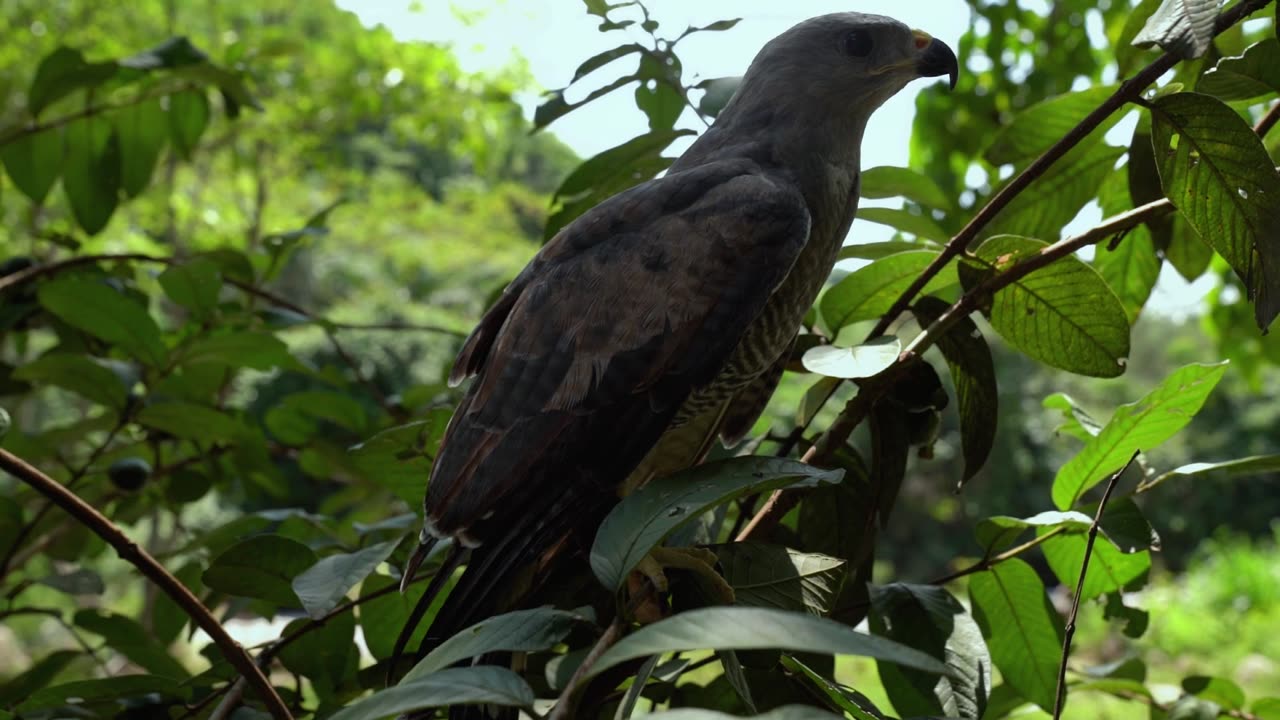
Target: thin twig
column 1060, row 698
column 565, row 704
column 129, row 551
column 1268, row 121
column 18, row 132
column 989, row 562
column 1129, row 90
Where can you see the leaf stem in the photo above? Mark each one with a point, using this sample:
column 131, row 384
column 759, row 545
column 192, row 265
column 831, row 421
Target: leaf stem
column 1060, row 697
column 129, row 551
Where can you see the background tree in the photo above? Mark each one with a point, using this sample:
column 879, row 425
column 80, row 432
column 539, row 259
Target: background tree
column 238, row 264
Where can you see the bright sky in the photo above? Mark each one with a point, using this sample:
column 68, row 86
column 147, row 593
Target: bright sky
column 555, row 36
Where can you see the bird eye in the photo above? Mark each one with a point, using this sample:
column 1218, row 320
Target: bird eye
column 858, row 43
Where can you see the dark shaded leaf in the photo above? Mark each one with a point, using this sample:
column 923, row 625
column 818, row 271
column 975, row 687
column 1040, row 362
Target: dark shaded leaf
column 193, row 284
column 1222, row 691
column 1254, row 74
column 91, row 172
column 1132, row 266
column 772, row 576
column 257, row 350
column 61, row 73
column 519, row 631
column 1063, row 315
column 142, row 131
column 81, row 374
column 399, row 458
column 262, row 567
column 191, row 421
column 34, row 161
column 555, row 106
column 127, row 637
column 87, row 692
column 323, row 585
column 717, row 92
column 847, row 699
column 454, row 686
column 648, row 515
column 81, row 581
column 328, row 656
column 1024, row 633
column 99, row 310
column 1141, row 425
column 39, row 675
column 188, row 118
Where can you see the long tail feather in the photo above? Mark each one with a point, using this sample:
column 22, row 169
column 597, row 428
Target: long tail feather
column 438, row 581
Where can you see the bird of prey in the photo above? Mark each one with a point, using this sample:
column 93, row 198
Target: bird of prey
column 658, row 320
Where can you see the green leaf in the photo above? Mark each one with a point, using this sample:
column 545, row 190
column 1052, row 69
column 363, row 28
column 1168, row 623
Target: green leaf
column 974, row 375
column 869, row 292
column 399, row 458
column 1141, row 425
column 91, row 172
column 293, row 421
column 1215, row 689
column 930, row 619
column 261, row 567
column 999, row 533
column 848, row 700
column 520, row 631
column 81, row 374
column 717, row 92
column 886, row 182
column 860, row 361
column 101, row 311
column 454, row 686
column 1037, row 128
column 787, row 712
column 323, row 585
column 40, row 674
column 648, row 515
column 194, row 285
column 1242, row 467
column 1244, row 77
column 81, row 581
column 328, row 655
column 1190, row 707
column 1109, row 569
column 84, row 693
column 877, row 250
column 188, row 118
column 1023, row 631
column 922, row 226
column 127, row 637
column 382, row 618
column 191, row 421
column 1132, row 267
column 1052, row 201
column 1267, row 708
column 1224, row 183
column 599, row 60
column 555, row 106
column 257, row 350
column 141, row 131
column 1063, row 315
column 61, row 73
column 740, row 628
column 1079, row 424
column 34, row 161
column 772, row 576
column 1124, row 524
column 813, row 398
column 1182, row 27
column 174, row 52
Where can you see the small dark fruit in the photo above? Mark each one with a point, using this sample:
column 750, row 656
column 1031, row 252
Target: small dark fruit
column 129, row 474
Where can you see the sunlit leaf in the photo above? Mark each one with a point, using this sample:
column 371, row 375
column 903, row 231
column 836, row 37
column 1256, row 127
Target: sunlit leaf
column 1038, row 127
column 1183, row 27
column 921, row 226
column 869, row 292
column 34, row 161
column 1000, row 532
column 1048, row 204
column 1109, row 569
column 860, row 361
column 1023, row 631
column 886, row 182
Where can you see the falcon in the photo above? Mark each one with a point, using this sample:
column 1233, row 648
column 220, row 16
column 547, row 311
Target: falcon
column 657, row 321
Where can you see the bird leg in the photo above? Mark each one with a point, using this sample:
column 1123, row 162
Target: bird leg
column 699, row 562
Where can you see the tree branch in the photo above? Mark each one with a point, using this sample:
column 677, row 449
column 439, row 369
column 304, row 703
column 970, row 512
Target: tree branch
column 1060, row 698
column 565, row 704
column 1268, row 121
column 129, row 551
column 1129, row 90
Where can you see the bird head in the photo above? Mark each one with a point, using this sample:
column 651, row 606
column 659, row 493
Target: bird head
column 840, row 66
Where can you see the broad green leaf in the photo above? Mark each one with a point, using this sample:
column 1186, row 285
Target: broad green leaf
column 1141, row 425
column 61, row 73
column 519, row 631
column 1266, row 708
column 735, row 674
column 1109, row 569
column 922, row 226
column 886, row 182
column 599, row 60
column 628, row 704
column 91, row 172
column 813, row 399
column 299, row 412
column 869, row 292
column 194, row 285
column 999, row 533
column 555, row 106
column 656, row 94
column 738, row 628
column 1052, row 201
column 480, row 685
column 848, row 700
column 399, row 458
column 96, row 308
column 40, row 674
column 127, row 637
column 1063, row 315
column 83, row 375
column 1023, row 631
column 328, row 656
column 142, row 131
column 188, row 118
column 1224, row 183
column 382, row 618
column 931, row 620
column 191, row 421
column 1215, row 689
column 1078, row 423
column 323, row 585
column 1242, row 467
column 772, row 576
column 974, row 375
column 1183, row 27
column 648, row 515
column 1128, row 529
column 257, row 350
column 34, row 161
column 877, row 250
column 717, row 92
column 787, row 712
column 1132, row 267
column 83, row 693
column 1245, row 77
column 860, row 361
column 262, row 567
column 1037, row 128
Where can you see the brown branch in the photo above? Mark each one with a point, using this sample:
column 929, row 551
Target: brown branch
column 1128, row 91
column 987, row 563
column 1268, row 121
column 1060, row 697
column 566, row 703
column 129, row 551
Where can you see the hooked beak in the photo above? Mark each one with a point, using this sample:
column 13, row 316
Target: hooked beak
column 936, row 59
